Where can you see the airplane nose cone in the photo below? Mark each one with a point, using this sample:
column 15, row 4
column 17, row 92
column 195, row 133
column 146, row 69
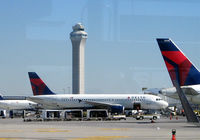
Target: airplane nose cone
column 165, row 104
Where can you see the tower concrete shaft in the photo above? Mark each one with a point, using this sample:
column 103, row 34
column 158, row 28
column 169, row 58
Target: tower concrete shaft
column 78, row 38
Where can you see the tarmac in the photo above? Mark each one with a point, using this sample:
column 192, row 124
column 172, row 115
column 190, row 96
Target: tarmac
column 130, row 129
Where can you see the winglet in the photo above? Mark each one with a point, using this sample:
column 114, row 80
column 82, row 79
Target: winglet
column 178, row 65
column 38, row 86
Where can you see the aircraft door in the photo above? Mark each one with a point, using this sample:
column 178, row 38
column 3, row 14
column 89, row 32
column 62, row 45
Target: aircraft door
column 136, row 106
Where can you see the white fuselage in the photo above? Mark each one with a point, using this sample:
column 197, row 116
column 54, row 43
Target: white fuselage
column 192, row 93
column 64, row 101
column 17, row 104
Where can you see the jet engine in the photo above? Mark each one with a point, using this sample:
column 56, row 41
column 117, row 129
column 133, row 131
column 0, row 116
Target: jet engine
column 119, row 109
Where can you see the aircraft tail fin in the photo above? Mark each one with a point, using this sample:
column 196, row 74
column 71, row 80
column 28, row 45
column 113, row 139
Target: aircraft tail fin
column 178, row 65
column 38, row 86
column 1, row 97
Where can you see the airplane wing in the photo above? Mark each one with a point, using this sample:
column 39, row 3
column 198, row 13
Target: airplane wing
column 100, row 104
column 189, row 91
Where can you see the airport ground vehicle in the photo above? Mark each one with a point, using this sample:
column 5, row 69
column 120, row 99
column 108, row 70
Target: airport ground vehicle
column 97, row 114
column 119, row 117
column 132, row 112
column 72, row 115
column 147, row 116
column 197, row 113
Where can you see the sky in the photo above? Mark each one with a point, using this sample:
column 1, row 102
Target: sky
column 121, row 53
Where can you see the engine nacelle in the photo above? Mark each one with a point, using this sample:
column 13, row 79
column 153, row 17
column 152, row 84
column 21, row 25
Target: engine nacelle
column 168, row 91
column 119, row 109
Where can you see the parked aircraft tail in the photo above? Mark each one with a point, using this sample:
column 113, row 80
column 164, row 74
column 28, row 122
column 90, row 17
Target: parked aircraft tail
column 1, row 97
column 179, row 66
column 38, row 86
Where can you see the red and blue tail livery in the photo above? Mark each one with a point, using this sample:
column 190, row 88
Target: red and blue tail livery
column 38, row 86
column 179, row 66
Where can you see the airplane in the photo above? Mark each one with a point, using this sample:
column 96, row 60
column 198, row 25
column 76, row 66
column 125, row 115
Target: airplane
column 180, row 68
column 16, row 104
column 114, row 102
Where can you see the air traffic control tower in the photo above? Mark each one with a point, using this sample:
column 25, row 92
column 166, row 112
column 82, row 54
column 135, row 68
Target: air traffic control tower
column 78, row 37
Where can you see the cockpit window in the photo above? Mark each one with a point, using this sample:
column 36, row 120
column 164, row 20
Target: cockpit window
column 158, row 99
